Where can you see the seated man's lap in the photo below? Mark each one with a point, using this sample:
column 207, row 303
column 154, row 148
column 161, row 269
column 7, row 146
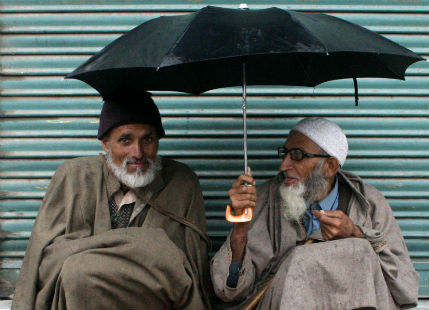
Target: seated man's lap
column 341, row 269
column 115, row 267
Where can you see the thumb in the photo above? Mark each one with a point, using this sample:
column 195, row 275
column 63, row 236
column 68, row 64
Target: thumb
column 317, row 214
column 249, row 173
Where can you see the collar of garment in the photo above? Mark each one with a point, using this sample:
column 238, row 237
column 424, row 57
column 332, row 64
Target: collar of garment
column 124, row 199
column 355, row 184
column 328, row 202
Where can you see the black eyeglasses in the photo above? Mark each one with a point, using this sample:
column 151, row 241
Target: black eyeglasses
column 297, row 154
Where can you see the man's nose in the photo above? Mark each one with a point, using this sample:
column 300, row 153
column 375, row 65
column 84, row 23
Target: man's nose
column 137, row 150
column 286, row 163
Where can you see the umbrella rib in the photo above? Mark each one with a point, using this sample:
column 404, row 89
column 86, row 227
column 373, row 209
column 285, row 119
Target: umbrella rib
column 176, row 42
column 314, row 37
column 399, row 76
column 303, row 69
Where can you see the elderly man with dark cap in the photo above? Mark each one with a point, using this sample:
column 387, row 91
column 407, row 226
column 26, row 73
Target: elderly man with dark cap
column 358, row 258
column 124, row 230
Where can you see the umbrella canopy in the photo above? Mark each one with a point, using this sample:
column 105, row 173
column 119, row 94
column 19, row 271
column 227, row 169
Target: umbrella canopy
column 205, row 50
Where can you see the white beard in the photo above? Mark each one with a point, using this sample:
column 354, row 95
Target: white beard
column 298, row 197
column 137, row 179
column 293, row 202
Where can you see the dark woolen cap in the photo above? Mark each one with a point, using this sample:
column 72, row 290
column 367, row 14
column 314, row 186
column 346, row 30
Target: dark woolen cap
column 137, row 109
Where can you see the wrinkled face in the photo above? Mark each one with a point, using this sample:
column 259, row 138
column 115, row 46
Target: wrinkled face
column 137, row 142
column 298, row 171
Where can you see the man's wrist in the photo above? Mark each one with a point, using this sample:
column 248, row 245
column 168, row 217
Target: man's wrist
column 357, row 232
column 238, row 240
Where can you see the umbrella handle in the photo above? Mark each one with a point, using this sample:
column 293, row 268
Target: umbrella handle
column 245, row 215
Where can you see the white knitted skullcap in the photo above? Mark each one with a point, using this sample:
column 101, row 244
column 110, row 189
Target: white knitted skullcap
column 326, row 134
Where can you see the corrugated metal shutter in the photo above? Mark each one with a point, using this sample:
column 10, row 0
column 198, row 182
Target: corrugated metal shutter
column 46, row 119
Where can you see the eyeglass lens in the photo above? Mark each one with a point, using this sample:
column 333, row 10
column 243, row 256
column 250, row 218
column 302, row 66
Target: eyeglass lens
column 295, row 154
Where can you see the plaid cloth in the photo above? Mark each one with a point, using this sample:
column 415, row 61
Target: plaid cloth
column 120, row 218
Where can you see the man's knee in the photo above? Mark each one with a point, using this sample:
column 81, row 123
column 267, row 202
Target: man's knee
column 361, row 247
column 74, row 270
column 354, row 248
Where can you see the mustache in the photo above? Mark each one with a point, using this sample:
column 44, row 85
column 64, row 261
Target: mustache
column 134, row 160
column 285, row 175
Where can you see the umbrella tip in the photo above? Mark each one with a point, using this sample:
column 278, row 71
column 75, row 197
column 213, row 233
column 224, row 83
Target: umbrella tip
column 243, row 6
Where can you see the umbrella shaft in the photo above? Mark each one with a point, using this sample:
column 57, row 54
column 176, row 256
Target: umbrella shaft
column 244, row 120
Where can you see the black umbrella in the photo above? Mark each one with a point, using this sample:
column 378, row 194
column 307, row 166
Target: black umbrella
column 218, row 47
column 205, row 50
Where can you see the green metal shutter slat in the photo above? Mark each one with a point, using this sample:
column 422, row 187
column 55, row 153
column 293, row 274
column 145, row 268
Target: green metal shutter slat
column 231, row 167
column 203, row 147
column 30, row 206
column 215, row 188
column 190, row 106
column 46, row 119
column 60, row 44
column 87, row 127
column 73, row 23
column 180, row 6
column 105, row 22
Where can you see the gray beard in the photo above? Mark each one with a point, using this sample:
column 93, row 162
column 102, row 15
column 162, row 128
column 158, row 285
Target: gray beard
column 137, row 179
column 315, row 183
column 293, row 202
column 298, row 197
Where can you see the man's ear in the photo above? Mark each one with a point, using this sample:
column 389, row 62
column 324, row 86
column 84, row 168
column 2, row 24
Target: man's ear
column 332, row 166
column 105, row 144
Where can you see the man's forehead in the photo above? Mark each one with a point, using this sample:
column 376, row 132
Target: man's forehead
column 133, row 129
column 296, row 139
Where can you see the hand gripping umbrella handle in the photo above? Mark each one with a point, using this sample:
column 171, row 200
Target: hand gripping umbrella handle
column 245, row 216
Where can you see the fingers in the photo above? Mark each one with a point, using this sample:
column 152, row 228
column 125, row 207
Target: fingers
column 330, row 213
column 335, row 224
column 326, row 219
column 330, row 224
column 244, row 190
column 241, row 195
column 240, row 203
column 329, row 232
column 325, row 234
column 242, row 179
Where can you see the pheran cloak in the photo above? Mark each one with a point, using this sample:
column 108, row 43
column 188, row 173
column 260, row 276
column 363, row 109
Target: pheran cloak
column 371, row 272
column 158, row 262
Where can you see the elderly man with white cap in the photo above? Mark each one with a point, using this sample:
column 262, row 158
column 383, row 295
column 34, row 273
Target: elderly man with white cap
column 357, row 258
